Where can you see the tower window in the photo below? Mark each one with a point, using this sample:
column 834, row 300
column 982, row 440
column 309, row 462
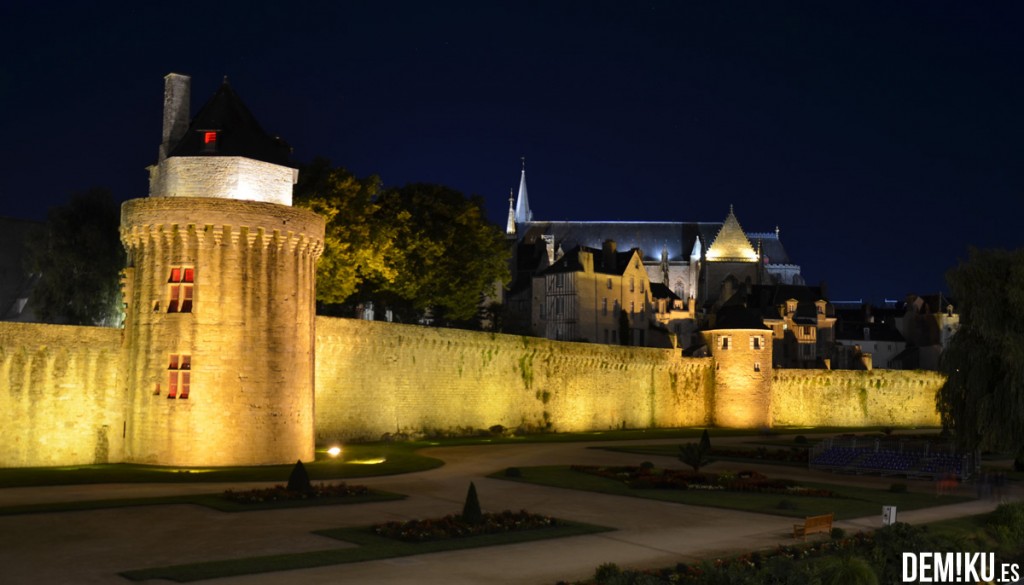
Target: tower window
column 180, row 291
column 179, row 376
column 209, row 141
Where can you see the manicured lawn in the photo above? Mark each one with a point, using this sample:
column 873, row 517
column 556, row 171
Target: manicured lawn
column 358, row 460
column 370, row 547
column 673, row 451
column 853, row 503
column 215, row 501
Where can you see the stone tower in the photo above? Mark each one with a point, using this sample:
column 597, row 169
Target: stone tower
column 742, row 347
column 219, row 341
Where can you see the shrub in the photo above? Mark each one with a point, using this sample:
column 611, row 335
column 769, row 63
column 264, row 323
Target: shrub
column 705, row 441
column 837, row 533
column 786, row 505
column 471, row 513
column 646, row 465
column 898, row 488
column 513, row 472
column 298, row 481
column 800, row 440
column 606, row 572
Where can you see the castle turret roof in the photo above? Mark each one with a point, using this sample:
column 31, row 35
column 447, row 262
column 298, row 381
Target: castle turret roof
column 237, row 132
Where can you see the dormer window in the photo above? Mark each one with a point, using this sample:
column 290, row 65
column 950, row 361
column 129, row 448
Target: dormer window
column 210, row 141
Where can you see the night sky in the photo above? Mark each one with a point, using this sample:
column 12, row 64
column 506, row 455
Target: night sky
column 883, row 138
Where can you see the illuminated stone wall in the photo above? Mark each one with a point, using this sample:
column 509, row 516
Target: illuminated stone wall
column 59, row 402
column 376, row 378
column 223, row 177
column 249, row 332
column 855, row 397
column 743, row 380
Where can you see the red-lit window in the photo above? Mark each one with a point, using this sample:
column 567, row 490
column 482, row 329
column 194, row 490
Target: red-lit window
column 179, row 376
column 209, row 141
column 180, row 290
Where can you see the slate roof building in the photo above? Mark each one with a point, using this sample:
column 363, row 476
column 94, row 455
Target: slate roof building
column 700, row 263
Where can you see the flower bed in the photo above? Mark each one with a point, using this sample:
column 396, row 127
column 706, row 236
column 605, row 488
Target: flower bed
column 792, row 455
column 280, row 493
column 452, row 526
column 677, row 479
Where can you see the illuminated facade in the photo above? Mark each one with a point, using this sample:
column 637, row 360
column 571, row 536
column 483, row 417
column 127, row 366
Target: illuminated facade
column 222, row 360
column 219, row 296
column 701, row 263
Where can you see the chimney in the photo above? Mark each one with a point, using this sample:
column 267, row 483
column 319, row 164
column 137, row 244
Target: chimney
column 608, row 250
column 176, row 111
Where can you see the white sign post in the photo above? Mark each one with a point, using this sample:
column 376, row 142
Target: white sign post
column 888, row 515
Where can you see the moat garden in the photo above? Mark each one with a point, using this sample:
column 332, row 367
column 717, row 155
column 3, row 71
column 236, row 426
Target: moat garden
column 764, row 475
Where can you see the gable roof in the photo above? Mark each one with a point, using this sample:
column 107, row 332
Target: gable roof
column 731, row 244
column 570, row 262
column 238, row 132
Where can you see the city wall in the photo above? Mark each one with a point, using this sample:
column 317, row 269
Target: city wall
column 61, row 404
column 377, row 378
column 855, row 397
column 58, row 395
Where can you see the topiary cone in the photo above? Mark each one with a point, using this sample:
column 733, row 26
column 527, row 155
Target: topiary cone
column 298, row 481
column 471, row 513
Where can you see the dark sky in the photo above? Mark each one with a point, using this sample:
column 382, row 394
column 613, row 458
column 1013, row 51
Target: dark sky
column 883, row 138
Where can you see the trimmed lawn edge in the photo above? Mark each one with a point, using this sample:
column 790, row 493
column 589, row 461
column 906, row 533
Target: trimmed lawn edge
column 370, row 547
column 855, row 502
column 213, row 501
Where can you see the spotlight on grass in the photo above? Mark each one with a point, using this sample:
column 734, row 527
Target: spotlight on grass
column 334, row 451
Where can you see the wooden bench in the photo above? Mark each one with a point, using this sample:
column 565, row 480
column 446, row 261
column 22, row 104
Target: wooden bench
column 813, row 524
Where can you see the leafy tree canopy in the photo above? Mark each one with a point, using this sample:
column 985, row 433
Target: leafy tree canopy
column 983, row 397
column 415, row 249
column 359, row 243
column 79, row 258
column 452, row 256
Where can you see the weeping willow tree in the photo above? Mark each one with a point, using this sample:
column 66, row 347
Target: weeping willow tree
column 982, row 400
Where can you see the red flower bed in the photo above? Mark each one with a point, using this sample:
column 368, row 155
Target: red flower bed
column 279, row 493
column 452, row 526
column 677, row 479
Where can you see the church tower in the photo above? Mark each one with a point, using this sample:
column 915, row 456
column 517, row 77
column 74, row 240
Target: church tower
column 219, row 292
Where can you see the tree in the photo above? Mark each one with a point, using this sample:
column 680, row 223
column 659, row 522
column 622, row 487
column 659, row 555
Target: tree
column 471, row 513
column 983, row 397
column 79, row 258
column 705, row 441
column 452, row 258
column 694, row 455
column 359, row 243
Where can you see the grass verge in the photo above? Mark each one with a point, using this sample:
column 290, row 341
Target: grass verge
column 362, row 460
column 370, row 547
column 214, row 501
column 854, row 502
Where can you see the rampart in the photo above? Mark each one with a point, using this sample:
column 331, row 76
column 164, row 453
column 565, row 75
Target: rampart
column 61, row 404
column 855, row 398
column 58, row 395
column 376, row 378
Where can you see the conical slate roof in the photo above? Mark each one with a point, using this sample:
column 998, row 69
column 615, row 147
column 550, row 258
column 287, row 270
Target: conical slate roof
column 731, row 244
column 523, row 213
column 238, row 132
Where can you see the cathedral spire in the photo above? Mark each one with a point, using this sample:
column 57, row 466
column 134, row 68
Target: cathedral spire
column 510, row 226
column 523, row 213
